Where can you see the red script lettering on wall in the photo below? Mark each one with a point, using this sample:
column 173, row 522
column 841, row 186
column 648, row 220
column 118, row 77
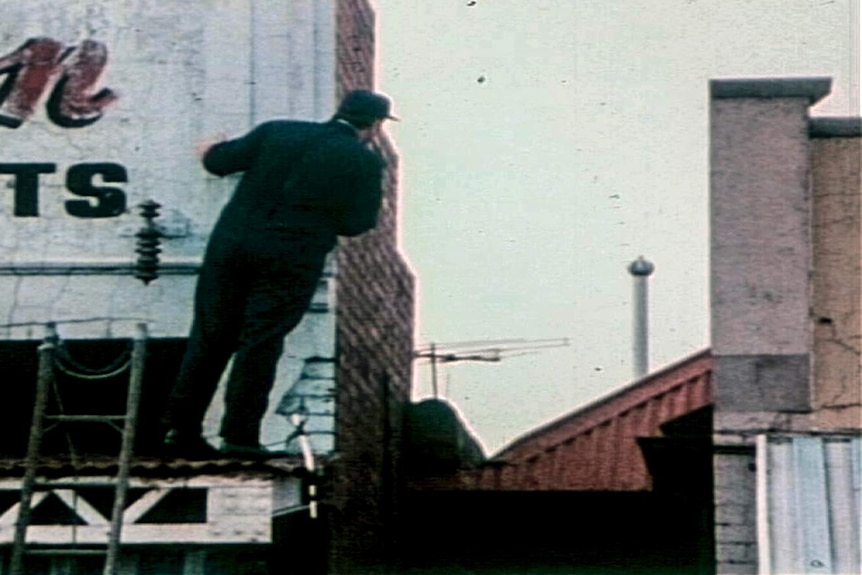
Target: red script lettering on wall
column 40, row 62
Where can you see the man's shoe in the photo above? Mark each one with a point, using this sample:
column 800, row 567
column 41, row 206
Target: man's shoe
column 242, row 451
column 188, row 446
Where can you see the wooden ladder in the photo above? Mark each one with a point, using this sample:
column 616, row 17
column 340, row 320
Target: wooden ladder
column 45, row 382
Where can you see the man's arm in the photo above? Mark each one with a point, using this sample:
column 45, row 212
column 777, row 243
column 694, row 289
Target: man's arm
column 237, row 155
column 361, row 208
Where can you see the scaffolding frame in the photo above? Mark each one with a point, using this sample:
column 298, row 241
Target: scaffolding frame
column 45, row 383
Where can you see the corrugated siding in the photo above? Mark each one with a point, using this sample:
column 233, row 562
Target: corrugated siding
column 809, row 505
column 595, row 448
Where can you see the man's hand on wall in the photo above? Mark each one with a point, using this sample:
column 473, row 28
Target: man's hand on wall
column 204, row 145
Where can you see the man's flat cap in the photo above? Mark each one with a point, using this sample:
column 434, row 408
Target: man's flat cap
column 367, row 105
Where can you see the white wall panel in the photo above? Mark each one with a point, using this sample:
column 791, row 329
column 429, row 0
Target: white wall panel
column 809, row 510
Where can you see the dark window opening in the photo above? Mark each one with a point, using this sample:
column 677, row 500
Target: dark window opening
column 85, row 396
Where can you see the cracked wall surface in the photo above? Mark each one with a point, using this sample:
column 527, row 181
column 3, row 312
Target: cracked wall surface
column 149, row 80
column 837, row 281
column 786, row 250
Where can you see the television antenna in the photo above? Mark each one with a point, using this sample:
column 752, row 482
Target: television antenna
column 481, row 351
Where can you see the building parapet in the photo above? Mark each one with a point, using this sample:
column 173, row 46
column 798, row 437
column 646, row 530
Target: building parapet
column 812, row 88
column 850, row 127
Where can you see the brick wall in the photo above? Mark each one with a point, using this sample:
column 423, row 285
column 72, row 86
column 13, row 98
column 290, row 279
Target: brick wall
column 355, row 21
column 735, row 510
column 374, row 334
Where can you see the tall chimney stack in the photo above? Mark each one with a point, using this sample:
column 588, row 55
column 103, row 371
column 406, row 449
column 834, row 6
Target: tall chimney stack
column 641, row 269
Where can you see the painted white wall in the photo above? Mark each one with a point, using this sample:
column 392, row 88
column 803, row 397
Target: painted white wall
column 182, row 71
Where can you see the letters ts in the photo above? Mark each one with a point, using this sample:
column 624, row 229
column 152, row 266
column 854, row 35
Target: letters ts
column 101, row 202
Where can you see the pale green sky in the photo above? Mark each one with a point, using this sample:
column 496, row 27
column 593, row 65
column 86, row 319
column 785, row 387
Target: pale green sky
column 545, row 145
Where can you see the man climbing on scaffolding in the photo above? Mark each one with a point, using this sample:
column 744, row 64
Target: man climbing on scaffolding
column 303, row 184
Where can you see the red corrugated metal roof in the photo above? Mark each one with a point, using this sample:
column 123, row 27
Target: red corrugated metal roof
column 595, row 447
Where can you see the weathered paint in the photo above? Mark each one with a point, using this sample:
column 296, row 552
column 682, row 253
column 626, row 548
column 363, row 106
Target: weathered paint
column 101, row 108
column 70, row 74
column 836, row 279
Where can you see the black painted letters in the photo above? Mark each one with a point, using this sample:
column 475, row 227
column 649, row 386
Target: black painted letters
column 101, row 202
column 26, row 185
column 110, row 202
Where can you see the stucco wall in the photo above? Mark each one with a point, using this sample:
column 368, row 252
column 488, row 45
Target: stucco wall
column 760, row 248
column 785, row 249
column 837, row 274
column 178, row 72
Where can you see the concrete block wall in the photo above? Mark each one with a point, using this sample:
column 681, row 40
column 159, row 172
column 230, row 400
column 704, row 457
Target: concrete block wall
column 374, row 339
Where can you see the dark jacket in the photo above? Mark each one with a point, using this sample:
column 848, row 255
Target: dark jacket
column 310, row 177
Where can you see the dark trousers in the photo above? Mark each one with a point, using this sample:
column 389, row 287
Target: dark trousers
column 253, row 289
